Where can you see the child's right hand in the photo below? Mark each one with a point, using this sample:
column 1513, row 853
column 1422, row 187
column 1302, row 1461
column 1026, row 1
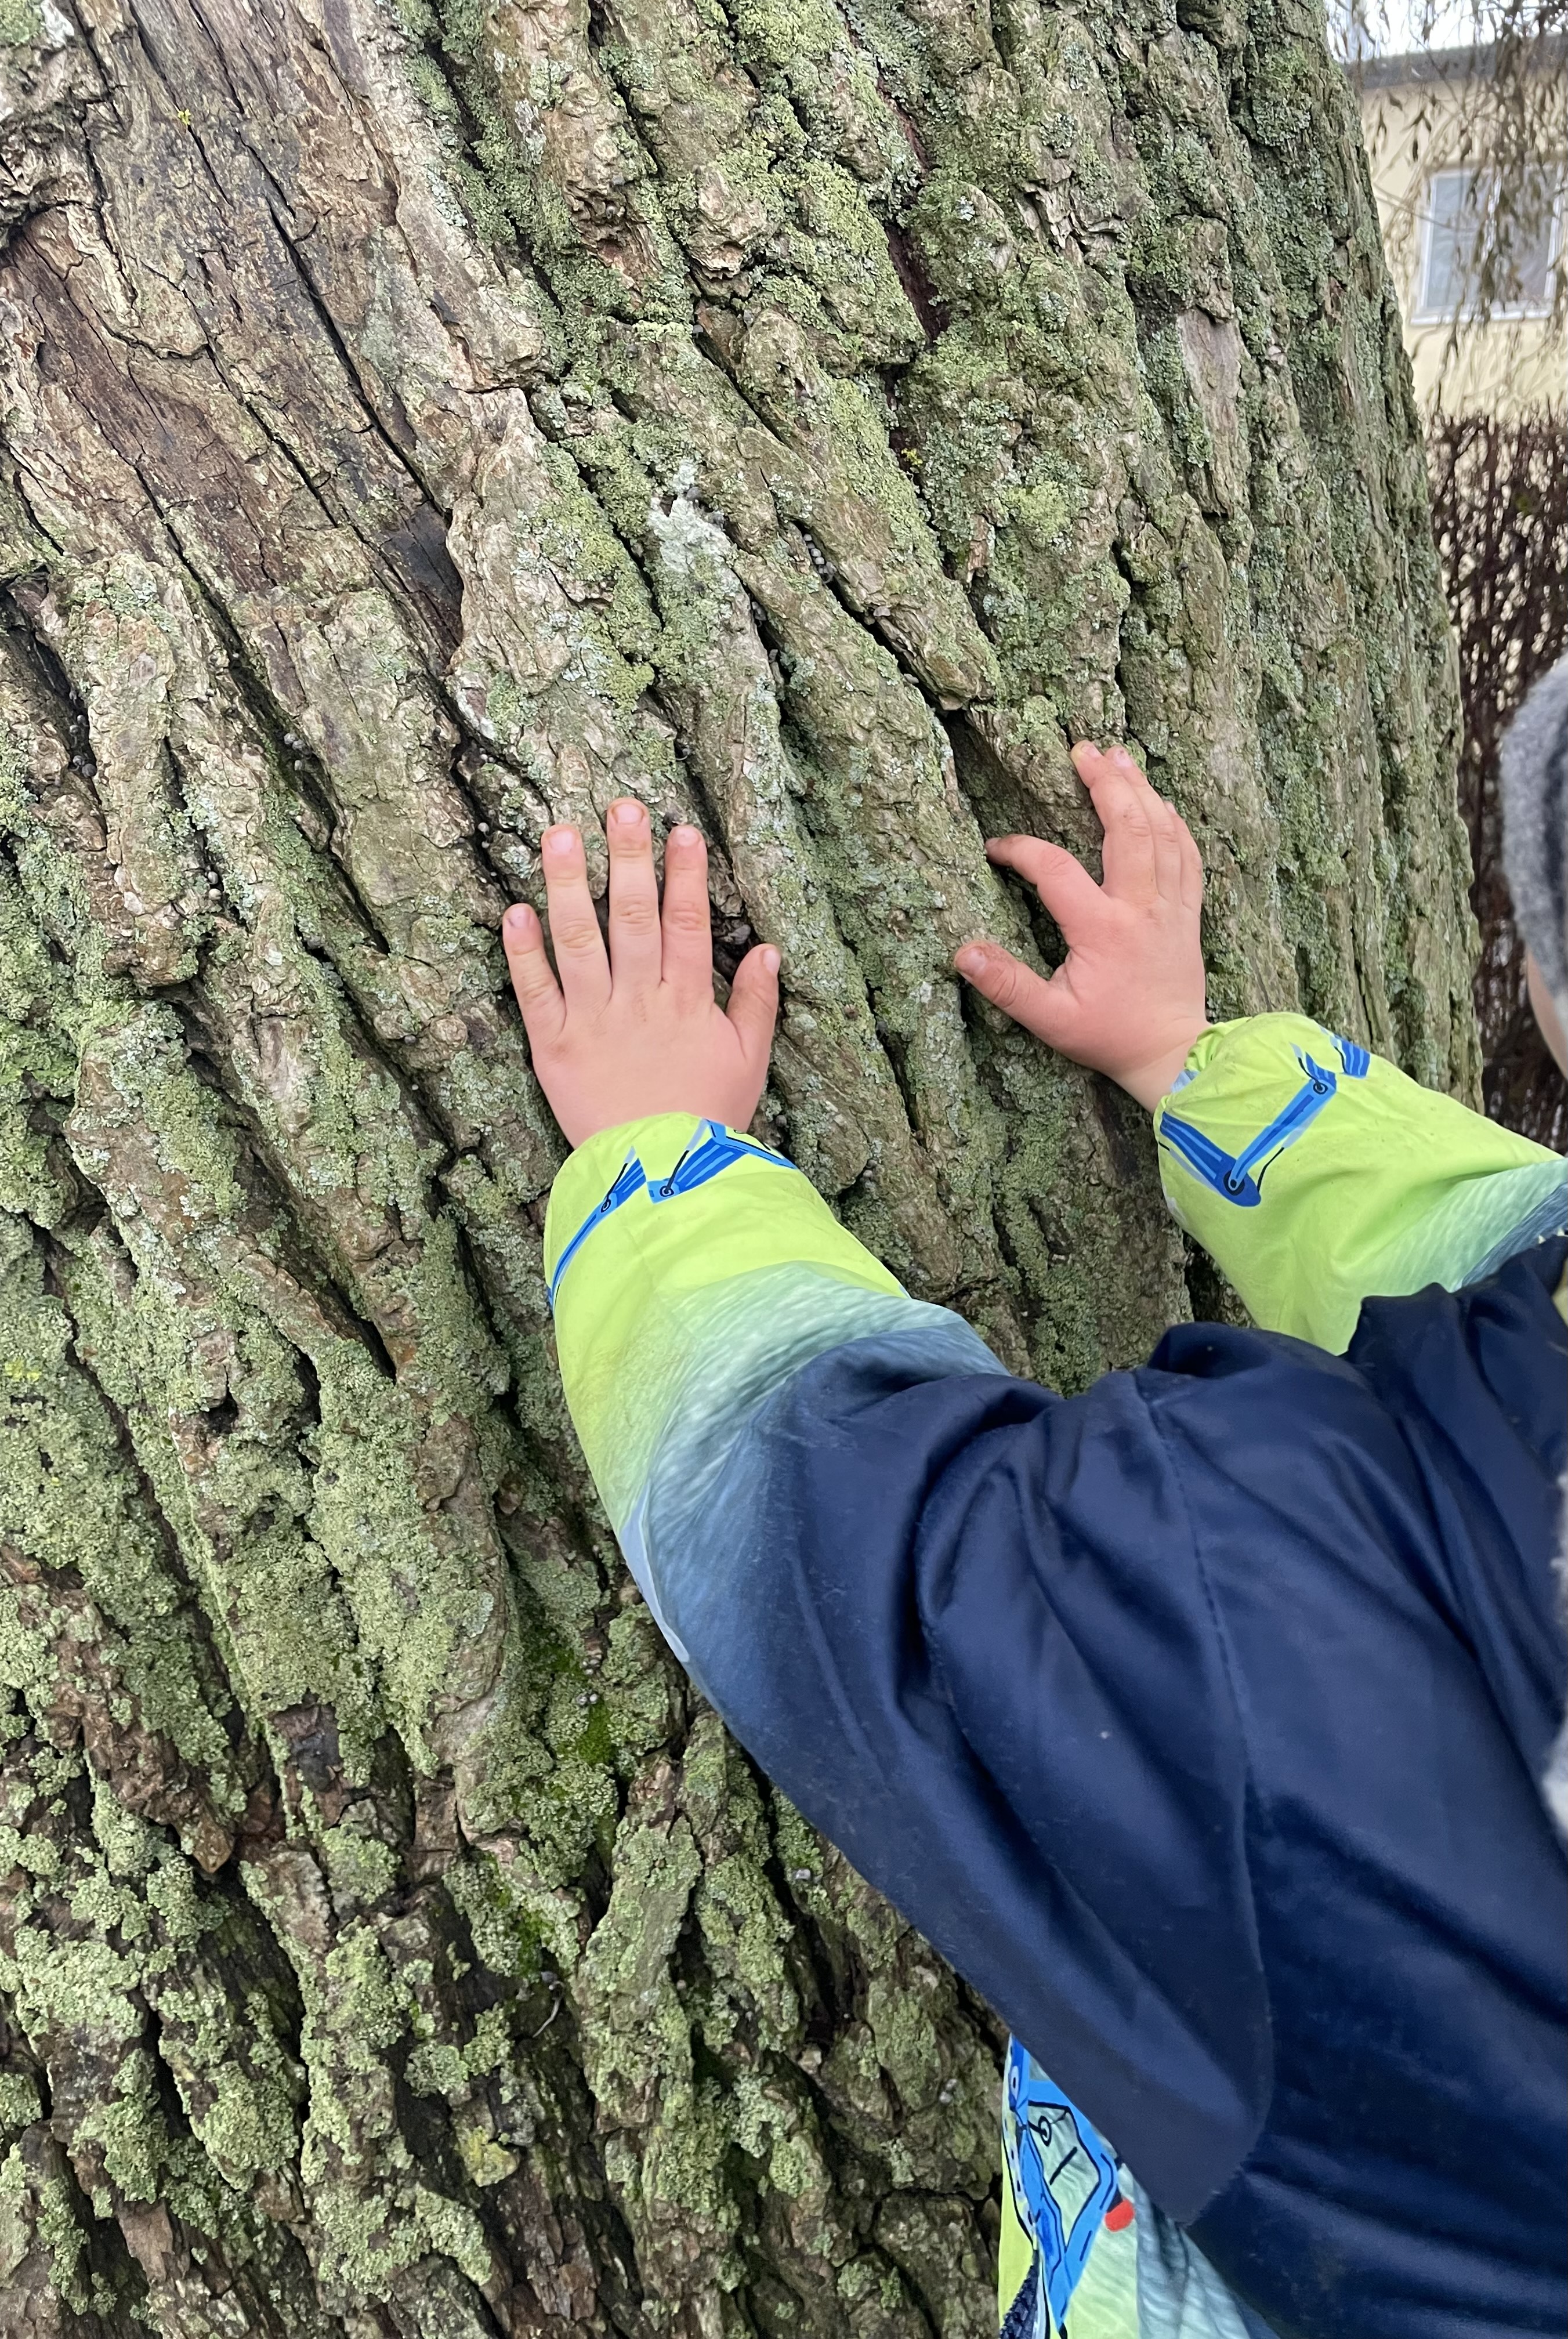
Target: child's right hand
column 1129, row 998
column 621, row 1035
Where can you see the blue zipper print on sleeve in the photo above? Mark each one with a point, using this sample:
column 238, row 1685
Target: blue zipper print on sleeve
column 1232, row 1174
column 713, row 1149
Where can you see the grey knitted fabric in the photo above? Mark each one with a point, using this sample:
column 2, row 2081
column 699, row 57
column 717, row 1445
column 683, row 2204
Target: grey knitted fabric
column 1534, row 849
column 1534, row 762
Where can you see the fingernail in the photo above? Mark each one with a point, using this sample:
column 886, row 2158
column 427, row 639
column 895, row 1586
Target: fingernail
column 686, row 836
column 626, row 814
column 557, row 840
column 971, row 962
column 770, row 961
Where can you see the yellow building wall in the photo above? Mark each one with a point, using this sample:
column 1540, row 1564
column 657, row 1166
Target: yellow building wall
column 1508, row 366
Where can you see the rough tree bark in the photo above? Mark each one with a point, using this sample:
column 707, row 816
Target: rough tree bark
column 426, row 418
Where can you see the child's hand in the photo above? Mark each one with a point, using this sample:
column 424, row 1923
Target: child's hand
column 1129, row 998
column 639, row 1032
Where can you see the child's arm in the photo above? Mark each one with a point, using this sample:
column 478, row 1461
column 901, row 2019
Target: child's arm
column 691, row 1269
column 1319, row 1176
column 1315, row 1174
column 896, row 1573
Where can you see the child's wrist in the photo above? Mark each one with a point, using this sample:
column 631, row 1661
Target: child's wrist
column 1151, row 1082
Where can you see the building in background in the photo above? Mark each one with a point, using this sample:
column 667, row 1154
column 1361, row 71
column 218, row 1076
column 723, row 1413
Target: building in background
column 1467, row 163
column 1466, row 147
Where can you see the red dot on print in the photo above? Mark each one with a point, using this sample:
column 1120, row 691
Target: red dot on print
column 1119, row 2214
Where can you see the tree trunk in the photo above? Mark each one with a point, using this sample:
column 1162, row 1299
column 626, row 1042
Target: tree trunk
column 430, row 418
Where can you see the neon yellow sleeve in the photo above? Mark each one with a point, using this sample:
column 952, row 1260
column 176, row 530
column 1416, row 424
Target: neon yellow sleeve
column 1317, row 1175
column 674, row 1246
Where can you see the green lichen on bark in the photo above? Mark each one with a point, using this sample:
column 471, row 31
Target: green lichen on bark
column 21, row 23
column 809, row 419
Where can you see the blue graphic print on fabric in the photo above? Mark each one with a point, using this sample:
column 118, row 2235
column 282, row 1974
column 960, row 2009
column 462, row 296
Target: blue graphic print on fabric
column 713, row 1149
column 1063, row 2179
column 1231, row 1174
column 1102, row 2260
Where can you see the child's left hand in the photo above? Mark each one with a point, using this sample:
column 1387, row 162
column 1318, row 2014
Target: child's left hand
column 639, row 1032
column 1129, row 998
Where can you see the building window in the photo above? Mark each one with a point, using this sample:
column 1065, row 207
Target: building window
column 1463, row 228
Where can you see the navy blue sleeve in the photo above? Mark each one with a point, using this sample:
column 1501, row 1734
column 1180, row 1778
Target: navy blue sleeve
column 1072, row 1680
column 962, row 1624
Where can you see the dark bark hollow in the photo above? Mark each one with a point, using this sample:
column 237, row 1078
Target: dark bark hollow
column 423, row 423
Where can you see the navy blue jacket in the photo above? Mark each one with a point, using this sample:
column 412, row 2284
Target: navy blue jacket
column 1198, row 1721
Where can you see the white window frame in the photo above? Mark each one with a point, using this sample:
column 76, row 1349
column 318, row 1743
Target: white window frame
column 1424, row 313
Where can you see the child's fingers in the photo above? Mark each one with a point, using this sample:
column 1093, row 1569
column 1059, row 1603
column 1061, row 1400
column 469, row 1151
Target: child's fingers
column 1063, row 883
column 1178, row 860
column 539, row 993
column 754, row 1004
column 1171, row 835
column 1177, row 863
column 689, row 944
column 580, row 961
column 1041, row 1007
column 636, row 949
column 1125, row 802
